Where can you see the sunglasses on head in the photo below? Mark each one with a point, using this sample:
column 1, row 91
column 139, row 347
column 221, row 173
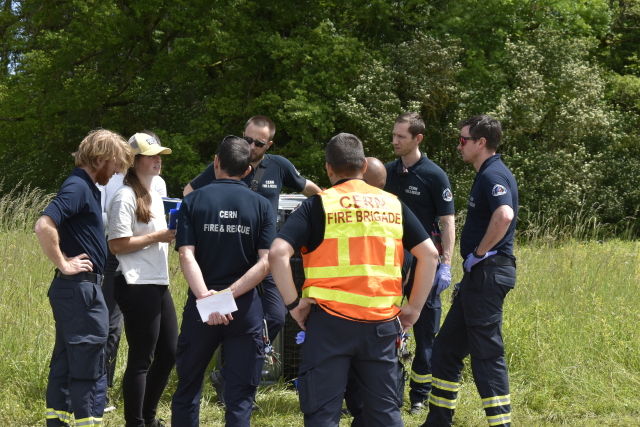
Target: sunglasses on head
column 464, row 139
column 258, row 143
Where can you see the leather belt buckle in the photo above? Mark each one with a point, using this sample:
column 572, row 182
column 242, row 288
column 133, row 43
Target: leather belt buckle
column 81, row 277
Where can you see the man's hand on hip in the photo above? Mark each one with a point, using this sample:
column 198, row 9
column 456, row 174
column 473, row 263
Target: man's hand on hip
column 473, row 260
column 301, row 312
column 75, row 265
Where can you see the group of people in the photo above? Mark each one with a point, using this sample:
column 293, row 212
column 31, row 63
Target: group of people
column 379, row 236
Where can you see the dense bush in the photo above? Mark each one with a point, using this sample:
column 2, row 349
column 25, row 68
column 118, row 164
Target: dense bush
column 563, row 76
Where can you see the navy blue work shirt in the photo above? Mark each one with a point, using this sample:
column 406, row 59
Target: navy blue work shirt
column 493, row 187
column 278, row 172
column 77, row 213
column 227, row 223
column 306, row 225
column 423, row 187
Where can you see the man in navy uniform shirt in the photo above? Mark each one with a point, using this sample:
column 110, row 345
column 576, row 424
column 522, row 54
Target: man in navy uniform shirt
column 223, row 236
column 474, row 322
column 425, row 189
column 352, row 238
column 269, row 173
column 71, row 234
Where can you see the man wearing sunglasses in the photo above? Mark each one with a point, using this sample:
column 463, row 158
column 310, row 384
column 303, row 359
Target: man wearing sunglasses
column 425, row 189
column 269, row 173
column 473, row 325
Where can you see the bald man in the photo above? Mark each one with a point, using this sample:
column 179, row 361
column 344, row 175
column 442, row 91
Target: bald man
column 376, row 173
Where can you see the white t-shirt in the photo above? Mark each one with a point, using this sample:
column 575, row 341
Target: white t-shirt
column 114, row 184
column 148, row 265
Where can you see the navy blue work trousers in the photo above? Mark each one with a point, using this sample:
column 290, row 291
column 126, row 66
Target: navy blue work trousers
column 243, row 355
column 424, row 334
column 273, row 309
column 473, row 326
column 353, row 400
column 334, row 345
column 77, row 375
column 272, row 306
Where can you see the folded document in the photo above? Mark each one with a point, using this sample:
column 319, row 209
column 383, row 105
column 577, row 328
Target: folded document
column 222, row 302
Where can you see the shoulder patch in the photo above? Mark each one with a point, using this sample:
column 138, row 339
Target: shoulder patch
column 498, row 190
column 297, row 173
column 447, row 195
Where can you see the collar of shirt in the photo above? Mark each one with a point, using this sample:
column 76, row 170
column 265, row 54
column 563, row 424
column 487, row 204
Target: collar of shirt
column 228, row 181
column 347, row 179
column 85, row 176
column 420, row 161
column 265, row 161
column 487, row 162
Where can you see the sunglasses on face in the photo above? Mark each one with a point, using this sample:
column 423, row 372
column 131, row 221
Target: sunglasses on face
column 258, row 143
column 463, row 139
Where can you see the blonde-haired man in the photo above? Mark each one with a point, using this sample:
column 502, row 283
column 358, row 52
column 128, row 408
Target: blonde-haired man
column 71, row 234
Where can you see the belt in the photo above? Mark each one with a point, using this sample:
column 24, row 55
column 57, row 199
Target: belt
column 81, row 277
column 498, row 260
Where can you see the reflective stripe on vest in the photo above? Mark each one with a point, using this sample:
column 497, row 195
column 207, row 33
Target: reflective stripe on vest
column 356, row 272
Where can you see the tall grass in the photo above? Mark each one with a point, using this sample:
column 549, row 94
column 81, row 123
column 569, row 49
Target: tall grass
column 547, row 228
column 570, row 328
column 21, row 206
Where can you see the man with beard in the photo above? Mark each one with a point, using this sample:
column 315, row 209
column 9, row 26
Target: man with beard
column 71, row 234
column 269, row 173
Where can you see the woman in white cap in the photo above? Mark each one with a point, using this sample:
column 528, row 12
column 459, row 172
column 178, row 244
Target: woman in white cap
column 139, row 238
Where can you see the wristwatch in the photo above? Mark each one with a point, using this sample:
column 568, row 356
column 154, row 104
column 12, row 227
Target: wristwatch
column 293, row 305
column 475, row 253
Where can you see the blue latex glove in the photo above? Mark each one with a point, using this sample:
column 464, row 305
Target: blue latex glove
column 443, row 278
column 472, row 260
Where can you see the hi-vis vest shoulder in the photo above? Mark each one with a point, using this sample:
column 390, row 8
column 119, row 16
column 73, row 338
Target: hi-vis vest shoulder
column 356, row 272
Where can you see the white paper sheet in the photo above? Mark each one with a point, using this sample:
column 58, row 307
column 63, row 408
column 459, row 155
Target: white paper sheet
column 222, row 302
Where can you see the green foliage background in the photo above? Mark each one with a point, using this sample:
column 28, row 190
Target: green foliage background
column 562, row 75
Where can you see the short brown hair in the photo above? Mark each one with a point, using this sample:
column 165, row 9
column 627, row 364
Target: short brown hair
column 261, row 122
column 106, row 145
column 416, row 124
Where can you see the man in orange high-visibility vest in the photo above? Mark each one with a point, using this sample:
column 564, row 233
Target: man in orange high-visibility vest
column 352, row 239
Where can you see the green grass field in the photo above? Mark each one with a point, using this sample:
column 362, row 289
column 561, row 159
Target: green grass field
column 570, row 326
